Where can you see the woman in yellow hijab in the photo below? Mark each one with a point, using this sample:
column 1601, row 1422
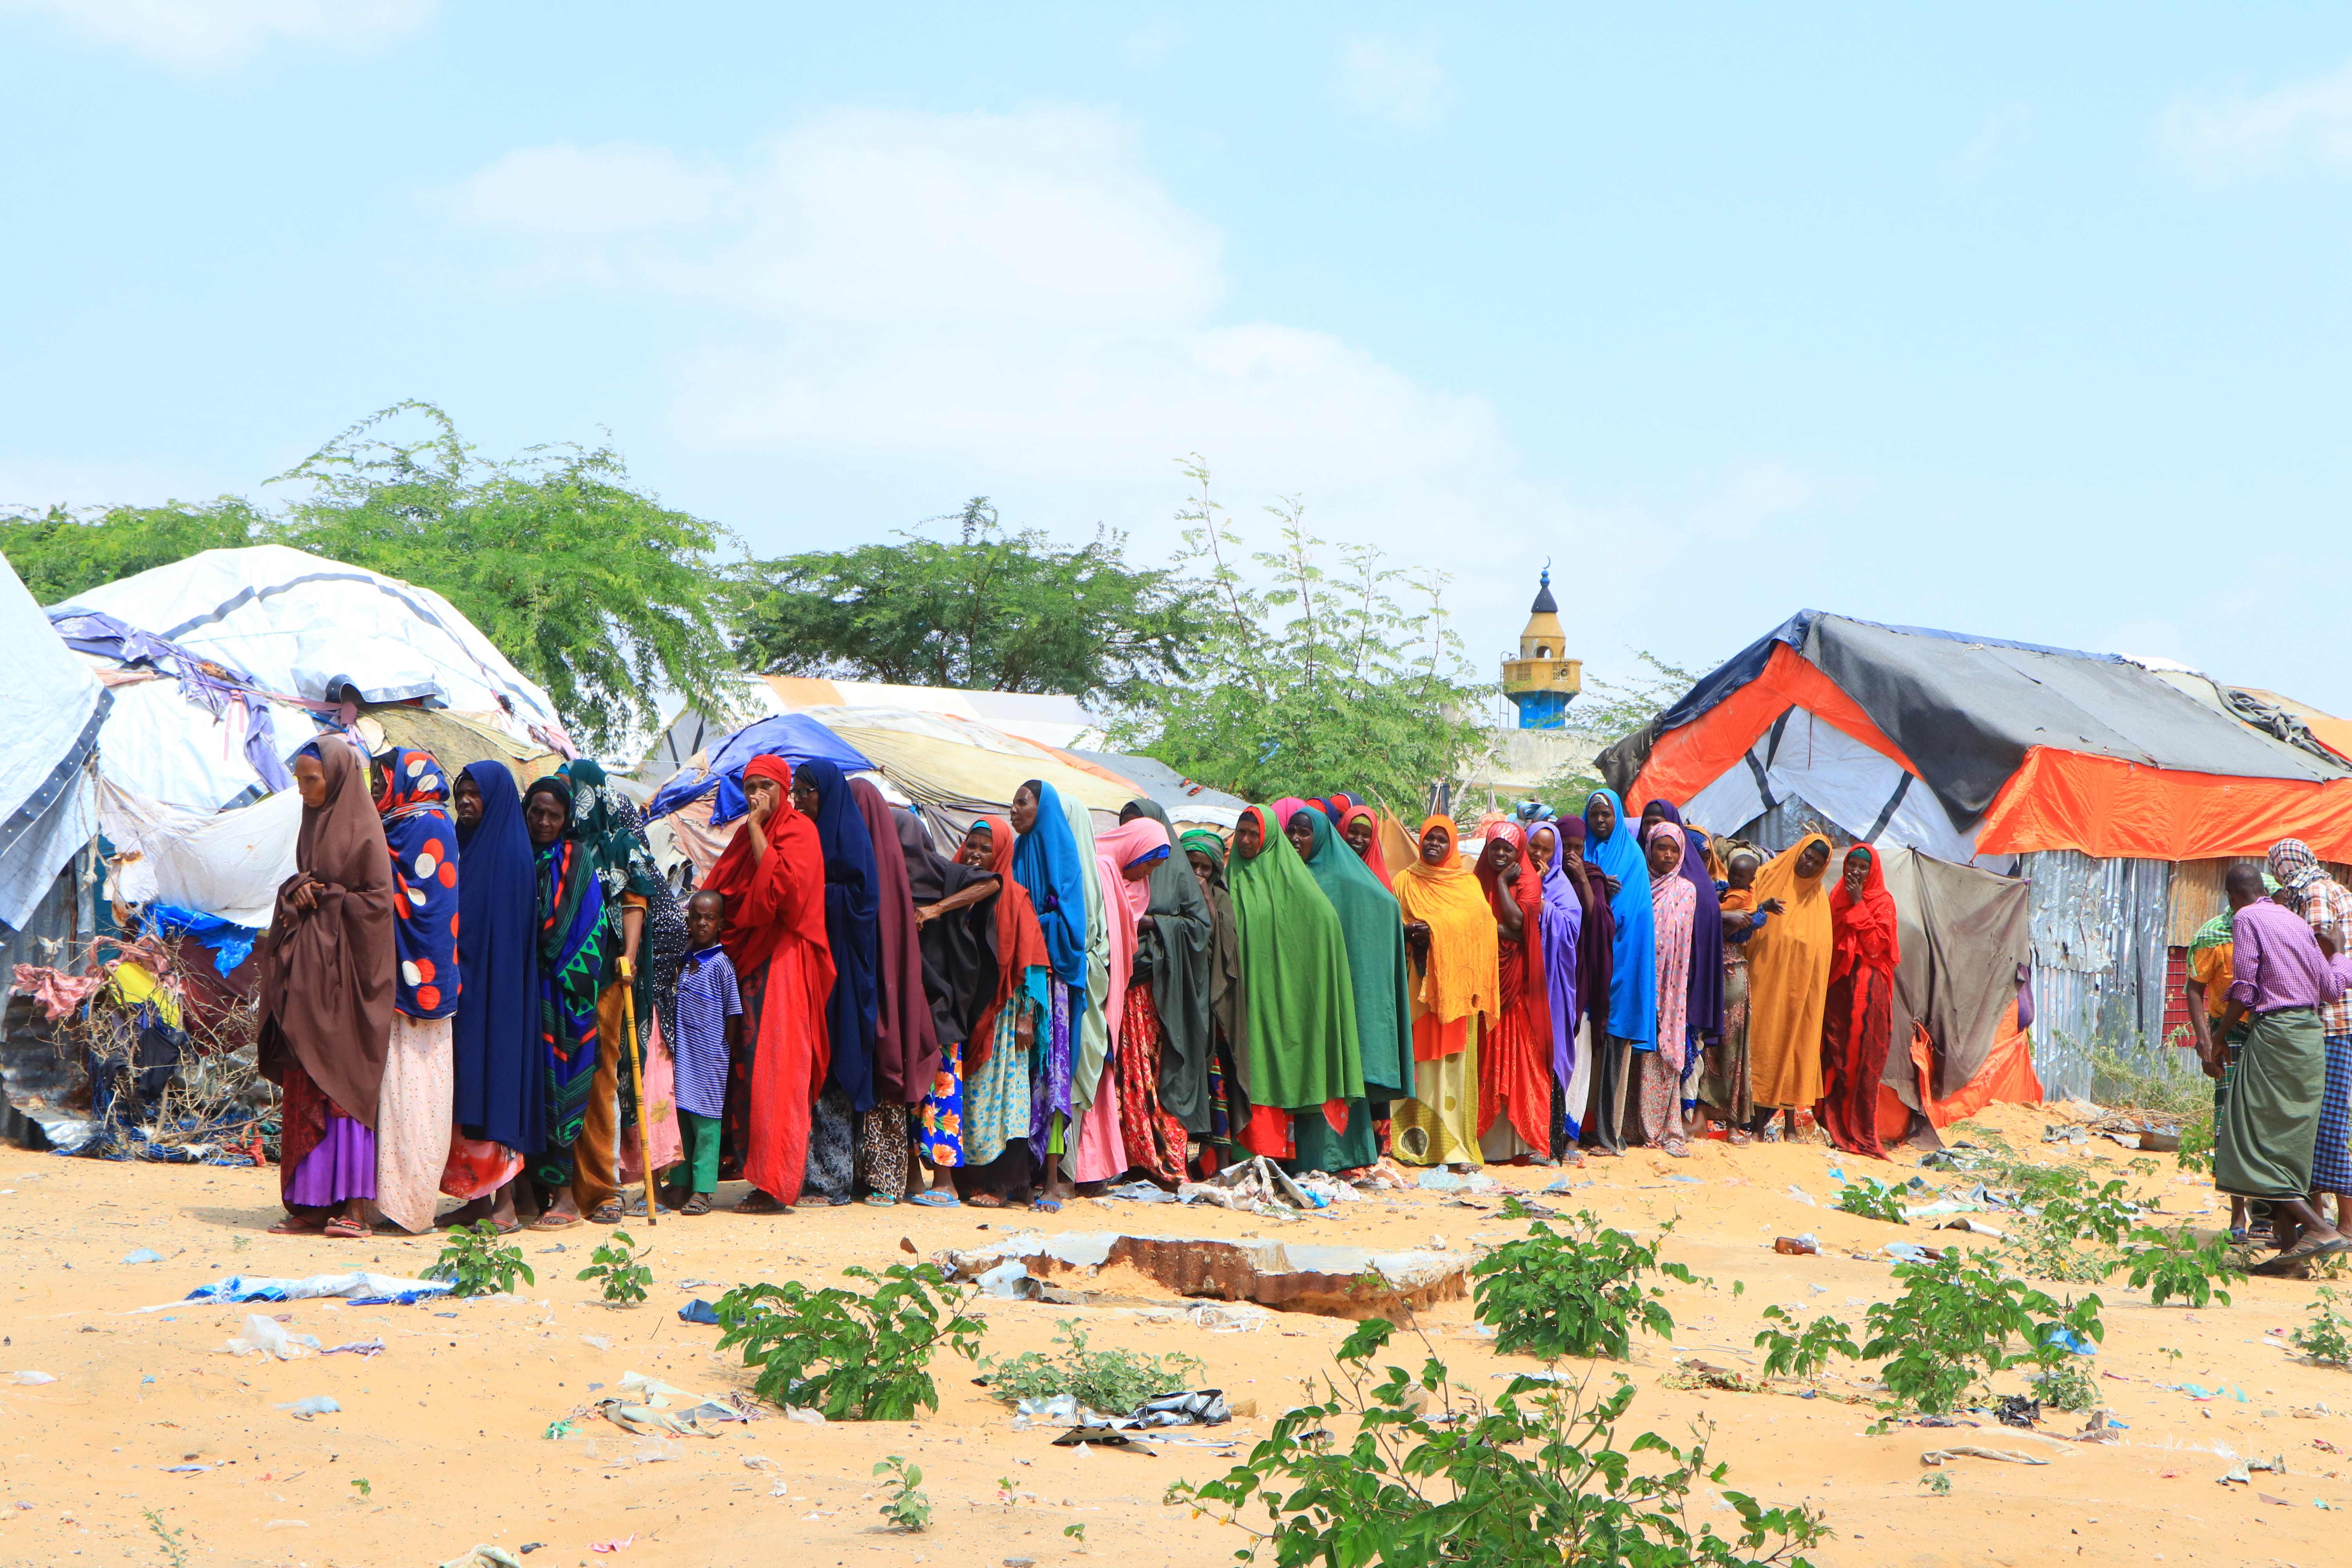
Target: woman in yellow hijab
column 1788, row 983
column 1451, row 949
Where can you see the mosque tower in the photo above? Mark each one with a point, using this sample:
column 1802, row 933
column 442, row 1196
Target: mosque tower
column 1542, row 680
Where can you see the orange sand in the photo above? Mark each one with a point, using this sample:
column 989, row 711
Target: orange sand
column 447, row 1425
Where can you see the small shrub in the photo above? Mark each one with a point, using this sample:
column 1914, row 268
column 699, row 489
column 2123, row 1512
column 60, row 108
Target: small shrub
column 1579, row 1294
column 2066, row 1386
column 1940, row 1483
column 1805, row 1352
column 475, row 1265
column 1950, row 1330
column 1432, row 1477
column 2173, row 1263
column 1873, row 1201
column 2104, row 1215
column 1111, row 1382
column 2148, row 1080
column 2325, row 1339
column 2196, row 1151
column 854, row 1357
column 615, row 1263
column 907, row 1507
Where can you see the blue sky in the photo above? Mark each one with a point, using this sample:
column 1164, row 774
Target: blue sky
column 2031, row 322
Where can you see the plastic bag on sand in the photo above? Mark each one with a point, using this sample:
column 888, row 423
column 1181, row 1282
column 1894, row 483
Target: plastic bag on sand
column 357, row 1286
column 317, row 1404
column 266, row 1336
column 484, row 1557
column 30, row 1378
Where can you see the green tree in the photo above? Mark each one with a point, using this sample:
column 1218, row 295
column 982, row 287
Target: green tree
column 60, row 551
column 992, row 610
column 592, row 587
column 1323, row 679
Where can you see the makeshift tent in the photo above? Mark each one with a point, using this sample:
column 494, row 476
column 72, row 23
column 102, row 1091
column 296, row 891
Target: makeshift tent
column 51, row 709
column 1188, row 804
column 458, row 741
column 1047, row 719
column 720, row 775
column 319, row 630
column 2092, row 776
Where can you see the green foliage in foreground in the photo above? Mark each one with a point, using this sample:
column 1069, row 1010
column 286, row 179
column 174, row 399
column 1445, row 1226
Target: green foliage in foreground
column 1580, row 1294
column 475, row 1265
column 1112, row 1383
column 853, row 1357
column 1952, row 1327
column 1431, row 1476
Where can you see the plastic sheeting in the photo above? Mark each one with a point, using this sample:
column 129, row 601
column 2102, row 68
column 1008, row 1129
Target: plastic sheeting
column 227, row 865
column 1850, row 782
column 792, row 736
column 1964, row 935
column 308, row 626
column 162, row 747
column 948, row 762
column 51, row 707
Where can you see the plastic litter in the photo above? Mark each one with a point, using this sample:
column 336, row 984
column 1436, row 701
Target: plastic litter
column 317, row 1404
column 805, row 1416
column 1198, row 1408
column 34, row 1378
column 144, row 1254
column 484, row 1557
column 1801, row 1195
column 699, row 1312
column 266, row 1337
column 1140, row 1192
column 1971, row 1451
column 1009, row 1281
column 367, row 1349
column 358, row 1287
column 185, row 1469
column 1909, row 1252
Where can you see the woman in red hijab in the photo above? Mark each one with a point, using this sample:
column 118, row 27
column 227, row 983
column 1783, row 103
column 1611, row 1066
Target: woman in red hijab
column 1859, row 1017
column 1515, row 1068
column 773, row 878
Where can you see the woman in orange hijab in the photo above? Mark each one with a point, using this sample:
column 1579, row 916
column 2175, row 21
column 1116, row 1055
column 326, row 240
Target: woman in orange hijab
column 1451, row 944
column 773, row 878
column 1859, row 1018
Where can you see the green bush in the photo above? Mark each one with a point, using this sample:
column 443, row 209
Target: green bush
column 1431, row 1477
column 1579, row 1294
column 1111, row 1381
column 1873, row 1201
column 615, row 1263
column 907, row 1507
column 1806, row 1351
column 475, row 1265
column 854, row 1357
column 2325, row 1339
column 1950, row 1330
column 2174, row 1263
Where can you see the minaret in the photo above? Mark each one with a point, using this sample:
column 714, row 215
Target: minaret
column 1543, row 680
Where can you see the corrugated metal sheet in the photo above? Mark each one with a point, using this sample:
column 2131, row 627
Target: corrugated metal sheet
column 2196, row 893
column 2098, row 931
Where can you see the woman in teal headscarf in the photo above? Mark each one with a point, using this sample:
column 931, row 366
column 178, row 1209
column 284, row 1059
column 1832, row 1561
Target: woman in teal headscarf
column 1626, row 1021
column 1373, row 928
column 1304, row 1052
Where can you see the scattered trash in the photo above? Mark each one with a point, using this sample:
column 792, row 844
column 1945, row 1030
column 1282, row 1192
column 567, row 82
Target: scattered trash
column 2017, row 1410
column 1973, row 1226
column 1911, row 1252
column 806, row 1415
column 619, row 1545
column 369, row 1349
column 1805, row 1246
column 1338, row 1281
column 317, row 1404
column 485, row 1557
column 266, row 1337
column 33, row 1379
column 1692, row 1181
column 1971, row 1451
column 1140, row 1192
column 1201, row 1408
column 1689, row 1372
column 1259, row 1187
column 1009, row 1281
column 596, row 1342
column 2069, row 1340
column 358, row 1287
column 144, row 1254
column 185, row 1469
column 1801, row 1195
column 1438, row 1179
column 287, row 1524
column 699, row 1312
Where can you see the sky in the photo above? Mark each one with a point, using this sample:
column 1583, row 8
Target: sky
column 2029, row 321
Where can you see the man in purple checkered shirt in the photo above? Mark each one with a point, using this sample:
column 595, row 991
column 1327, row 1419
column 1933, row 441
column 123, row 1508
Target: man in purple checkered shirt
column 2326, row 905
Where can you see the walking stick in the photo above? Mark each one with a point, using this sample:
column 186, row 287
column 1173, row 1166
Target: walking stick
column 636, row 1055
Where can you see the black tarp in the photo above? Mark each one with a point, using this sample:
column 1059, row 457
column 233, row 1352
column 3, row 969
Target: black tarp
column 1966, row 710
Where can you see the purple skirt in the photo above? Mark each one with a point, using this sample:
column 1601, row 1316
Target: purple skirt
column 341, row 1167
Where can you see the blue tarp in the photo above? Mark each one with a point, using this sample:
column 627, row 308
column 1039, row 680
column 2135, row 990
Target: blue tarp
column 792, row 736
column 231, row 943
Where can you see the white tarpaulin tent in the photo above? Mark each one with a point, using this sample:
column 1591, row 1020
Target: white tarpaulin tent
column 228, row 864
column 308, row 627
column 50, row 708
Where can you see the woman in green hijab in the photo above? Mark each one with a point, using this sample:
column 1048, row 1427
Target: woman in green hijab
column 1373, row 928
column 1303, row 1053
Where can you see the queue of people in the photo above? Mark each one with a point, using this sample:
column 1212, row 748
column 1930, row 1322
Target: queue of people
column 846, row 1010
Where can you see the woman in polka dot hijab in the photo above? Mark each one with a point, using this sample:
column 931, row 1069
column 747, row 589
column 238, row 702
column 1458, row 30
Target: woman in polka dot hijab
column 412, row 1120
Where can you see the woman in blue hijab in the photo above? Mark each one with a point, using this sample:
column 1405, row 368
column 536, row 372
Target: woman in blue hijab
column 1627, row 1020
column 496, row 1036
column 1046, row 863
column 852, row 931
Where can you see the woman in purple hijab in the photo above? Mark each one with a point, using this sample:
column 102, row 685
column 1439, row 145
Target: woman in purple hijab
column 1705, row 1015
column 1596, row 959
column 1563, row 924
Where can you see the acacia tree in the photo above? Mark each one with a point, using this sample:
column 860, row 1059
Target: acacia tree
column 1312, row 676
column 594, row 588
column 992, row 610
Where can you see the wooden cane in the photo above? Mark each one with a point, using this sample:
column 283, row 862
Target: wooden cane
column 635, row 1055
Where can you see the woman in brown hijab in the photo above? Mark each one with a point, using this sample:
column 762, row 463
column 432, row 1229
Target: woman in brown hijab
column 327, row 995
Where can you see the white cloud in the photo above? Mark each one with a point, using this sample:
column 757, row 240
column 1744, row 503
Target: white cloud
column 1754, row 496
column 2004, row 131
column 596, row 190
column 1397, row 79
column 2235, row 135
column 210, row 33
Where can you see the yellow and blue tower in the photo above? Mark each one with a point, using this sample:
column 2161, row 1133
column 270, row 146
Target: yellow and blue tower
column 1543, row 680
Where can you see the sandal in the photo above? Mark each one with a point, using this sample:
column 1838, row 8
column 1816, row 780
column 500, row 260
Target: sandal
column 936, row 1198
column 294, row 1224
column 1738, row 1138
column 552, row 1221
column 343, row 1229
column 637, row 1207
column 985, row 1201
column 881, row 1200
column 609, row 1212
column 1046, row 1204
column 699, row 1203
column 761, row 1203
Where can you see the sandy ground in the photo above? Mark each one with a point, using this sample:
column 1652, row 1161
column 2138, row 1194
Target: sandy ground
column 446, row 1426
